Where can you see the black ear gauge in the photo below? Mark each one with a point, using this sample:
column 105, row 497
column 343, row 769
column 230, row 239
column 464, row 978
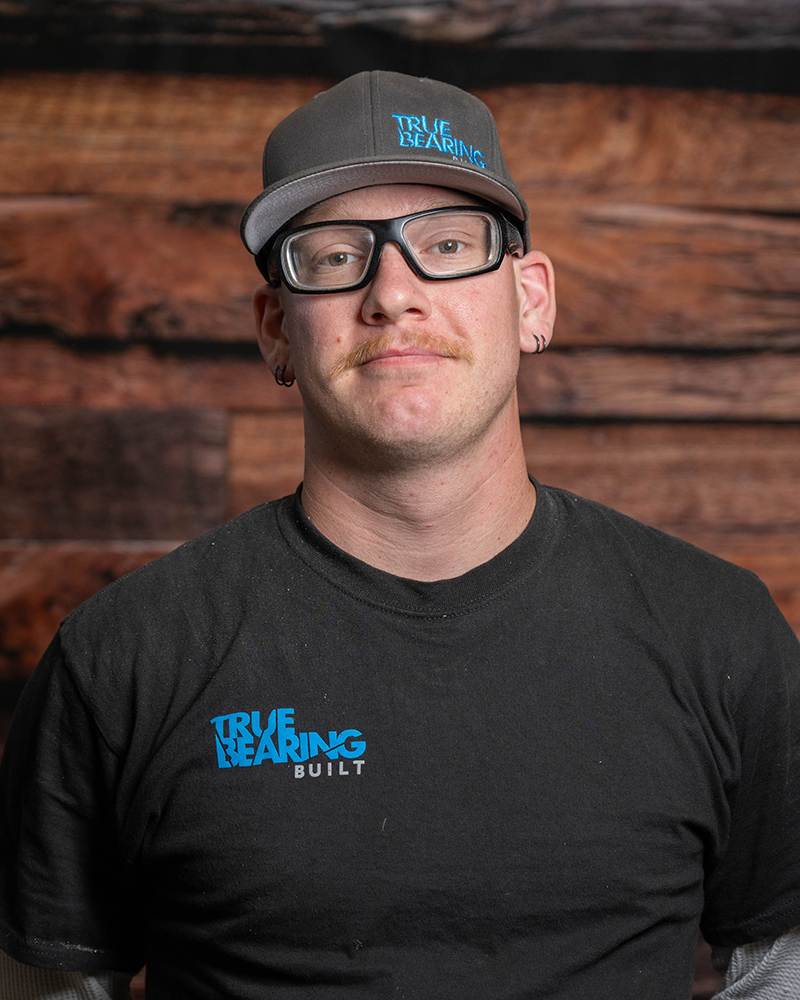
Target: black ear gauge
column 541, row 343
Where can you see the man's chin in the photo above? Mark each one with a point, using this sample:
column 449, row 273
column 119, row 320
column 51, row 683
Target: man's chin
column 394, row 450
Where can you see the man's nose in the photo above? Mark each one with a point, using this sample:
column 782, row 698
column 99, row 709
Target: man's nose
column 395, row 290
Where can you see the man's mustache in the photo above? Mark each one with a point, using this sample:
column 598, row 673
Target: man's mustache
column 381, row 342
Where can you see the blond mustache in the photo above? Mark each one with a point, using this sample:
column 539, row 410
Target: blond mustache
column 365, row 352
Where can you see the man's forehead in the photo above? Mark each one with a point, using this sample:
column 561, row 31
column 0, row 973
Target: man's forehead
column 384, row 201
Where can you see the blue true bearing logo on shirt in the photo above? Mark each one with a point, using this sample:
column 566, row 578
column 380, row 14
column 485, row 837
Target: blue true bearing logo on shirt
column 241, row 741
column 413, row 130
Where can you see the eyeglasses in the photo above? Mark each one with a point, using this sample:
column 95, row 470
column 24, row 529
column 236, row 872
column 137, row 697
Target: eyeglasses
column 438, row 245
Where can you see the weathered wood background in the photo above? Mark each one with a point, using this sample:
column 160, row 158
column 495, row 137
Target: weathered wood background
column 135, row 411
column 611, row 24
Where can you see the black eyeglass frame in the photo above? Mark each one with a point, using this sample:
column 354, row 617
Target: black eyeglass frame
column 270, row 263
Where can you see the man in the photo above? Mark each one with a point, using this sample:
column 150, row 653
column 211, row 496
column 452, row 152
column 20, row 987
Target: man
column 428, row 729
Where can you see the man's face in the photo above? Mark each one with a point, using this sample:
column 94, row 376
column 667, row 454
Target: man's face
column 404, row 369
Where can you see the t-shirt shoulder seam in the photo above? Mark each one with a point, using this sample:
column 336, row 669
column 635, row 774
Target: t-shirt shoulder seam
column 127, row 579
column 73, row 620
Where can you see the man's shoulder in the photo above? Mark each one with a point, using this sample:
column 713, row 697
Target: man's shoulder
column 619, row 540
column 191, row 572
column 161, row 631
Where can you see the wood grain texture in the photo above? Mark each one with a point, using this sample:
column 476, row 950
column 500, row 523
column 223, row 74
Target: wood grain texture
column 671, row 217
column 680, row 24
column 662, row 276
column 680, row 477
column 123, row 269
column 614, row 177
column 198, row 139
column 265, row 458
column 652, row 385
column 647, row 144
column 75, row 474
column 707, row 981
column 138, row 986
column 37, row 371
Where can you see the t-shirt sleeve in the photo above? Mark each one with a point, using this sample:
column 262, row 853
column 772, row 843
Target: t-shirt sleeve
column 753, row 889
column 67, row 896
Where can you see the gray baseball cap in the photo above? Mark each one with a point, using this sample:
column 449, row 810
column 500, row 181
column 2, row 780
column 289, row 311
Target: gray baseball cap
column 380, row 128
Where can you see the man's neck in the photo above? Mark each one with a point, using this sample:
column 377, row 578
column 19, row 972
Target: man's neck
column 426, row 523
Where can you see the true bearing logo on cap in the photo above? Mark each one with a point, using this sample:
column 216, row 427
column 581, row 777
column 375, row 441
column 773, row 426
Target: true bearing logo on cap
column 413, row 130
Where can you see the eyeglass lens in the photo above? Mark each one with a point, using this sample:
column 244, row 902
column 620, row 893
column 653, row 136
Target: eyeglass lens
column 450, row 244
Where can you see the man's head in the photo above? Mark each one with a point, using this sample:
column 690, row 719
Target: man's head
column 398, row 290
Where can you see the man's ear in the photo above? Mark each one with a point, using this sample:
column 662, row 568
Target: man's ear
column 270, row 331
column 537, row 288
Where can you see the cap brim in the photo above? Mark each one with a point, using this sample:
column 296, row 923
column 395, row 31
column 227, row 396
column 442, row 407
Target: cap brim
column 275, row 206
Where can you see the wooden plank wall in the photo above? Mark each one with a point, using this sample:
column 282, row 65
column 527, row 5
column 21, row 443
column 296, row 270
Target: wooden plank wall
column 565, row 24
column 135, row 411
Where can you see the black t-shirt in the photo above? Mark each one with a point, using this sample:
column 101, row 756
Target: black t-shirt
column 271, row 770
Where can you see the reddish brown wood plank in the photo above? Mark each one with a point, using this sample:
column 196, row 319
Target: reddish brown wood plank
column 117, row 268
column 665, row 276
column 642, row 144
column 672, row 24
column 36, row 371
column 138, row 134
column 265, row 458
column 70, row 473
column 681, row 477
column 194, row 138
column 654, row 385
column 41, row 584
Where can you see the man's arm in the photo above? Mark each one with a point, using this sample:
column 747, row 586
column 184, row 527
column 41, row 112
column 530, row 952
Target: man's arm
column 762, row 970
column 24, row 982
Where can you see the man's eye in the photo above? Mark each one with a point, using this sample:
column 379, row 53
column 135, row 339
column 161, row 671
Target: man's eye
column 448, row 246
column 332, row 259
column 339, row 257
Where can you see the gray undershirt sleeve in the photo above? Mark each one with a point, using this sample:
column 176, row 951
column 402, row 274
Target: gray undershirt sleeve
column 24, row 982
column 764, row 970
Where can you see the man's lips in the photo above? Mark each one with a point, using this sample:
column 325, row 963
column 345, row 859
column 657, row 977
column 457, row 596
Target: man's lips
column 405, row 352
column 385, row 347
